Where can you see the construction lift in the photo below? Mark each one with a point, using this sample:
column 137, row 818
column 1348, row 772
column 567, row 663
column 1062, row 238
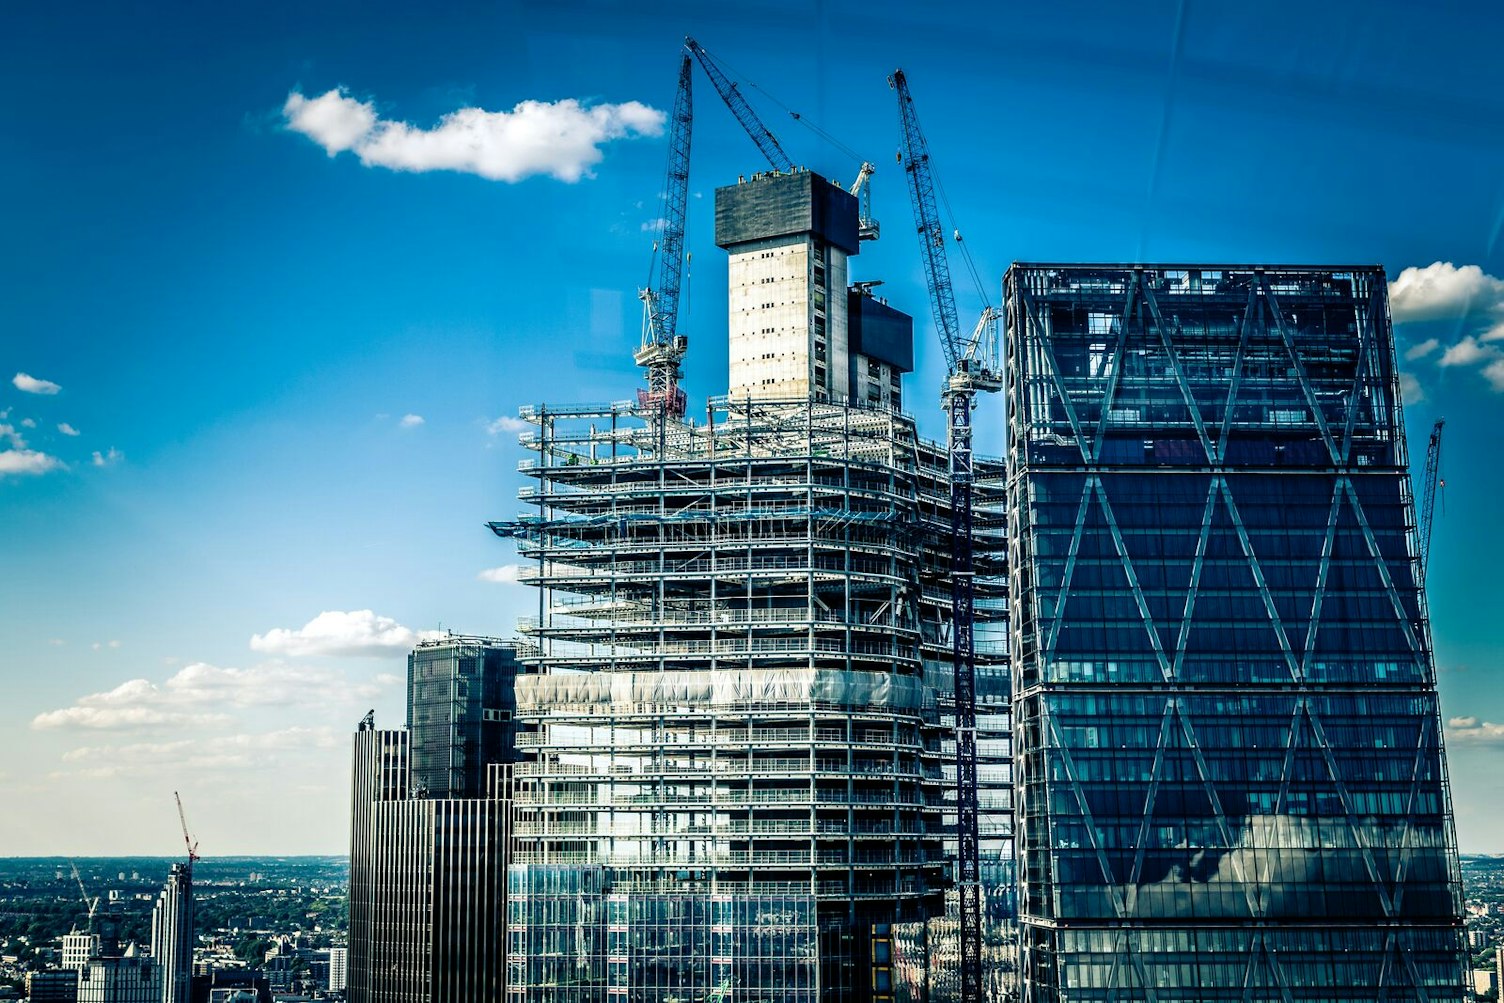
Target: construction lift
column 1428, row 505
column 972, row 365
column 663, row 347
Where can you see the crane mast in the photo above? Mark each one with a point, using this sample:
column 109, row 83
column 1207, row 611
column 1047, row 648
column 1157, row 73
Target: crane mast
column 663, row 347
column 1428, row 504
column 971, row 365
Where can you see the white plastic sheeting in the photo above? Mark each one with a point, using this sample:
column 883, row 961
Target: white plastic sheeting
column 628, row 692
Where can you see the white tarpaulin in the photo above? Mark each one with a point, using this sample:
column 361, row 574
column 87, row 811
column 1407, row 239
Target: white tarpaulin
column 595, row 692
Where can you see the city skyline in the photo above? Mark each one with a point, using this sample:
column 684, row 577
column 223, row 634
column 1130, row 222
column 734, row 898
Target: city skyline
column 272, row 382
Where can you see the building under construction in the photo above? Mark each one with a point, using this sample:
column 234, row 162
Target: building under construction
column 738, row 704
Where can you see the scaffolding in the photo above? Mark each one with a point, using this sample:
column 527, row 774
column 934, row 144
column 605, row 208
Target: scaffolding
column 737, row 777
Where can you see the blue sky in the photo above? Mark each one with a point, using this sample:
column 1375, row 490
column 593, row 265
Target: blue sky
column 208, row 585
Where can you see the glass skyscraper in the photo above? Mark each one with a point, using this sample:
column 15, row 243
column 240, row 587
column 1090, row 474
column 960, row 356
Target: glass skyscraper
column 1230, row 772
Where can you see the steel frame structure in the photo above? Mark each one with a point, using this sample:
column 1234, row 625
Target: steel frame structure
column 710, row 604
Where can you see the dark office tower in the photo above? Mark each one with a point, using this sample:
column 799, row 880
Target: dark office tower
column 1231, row 782
column 172, row 936
column 460, row 709
column 430, row 830
column 380, row 778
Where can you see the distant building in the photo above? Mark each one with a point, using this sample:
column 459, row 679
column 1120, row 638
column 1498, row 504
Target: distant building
column 429, row 833
column 1485, row 982
column 78, row 948
column 130, row 977
column 59, row 986
column 172, row 937
column 231, row 986
column 339, row 966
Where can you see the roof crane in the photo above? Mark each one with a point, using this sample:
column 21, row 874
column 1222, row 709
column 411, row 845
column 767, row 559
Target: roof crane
column 759, row 133
column 663, row 347
column 188, row 841
column 971, row 366
column 1428, row 505
column 91, row 904
column 867, row 227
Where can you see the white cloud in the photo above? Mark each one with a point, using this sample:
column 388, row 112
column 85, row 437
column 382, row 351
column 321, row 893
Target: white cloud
column 507, row 574
column 199, row 694
column 1495, row 333
column 27, row 461
column 1494, row 373
column 357, row 632
column 121, row 718
column 561, row 139
column 411, row 420
column 107, row 458
column 1466, row 352
column 1423, row 349
column 32, row 385
column 28, row 423
column 67, row 429
column 136, row 703
column 1410, row 389
column 1441, row 289
column 506, row 423
column 1470, row 730
column 654, row 225
column 253, row 751
column 10, row 434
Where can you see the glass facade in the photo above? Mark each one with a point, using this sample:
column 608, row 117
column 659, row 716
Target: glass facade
column 461, row 713
column 1231, row 782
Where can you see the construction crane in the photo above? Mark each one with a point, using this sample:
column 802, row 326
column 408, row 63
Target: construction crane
column 867, row 227
column 188, row 841
column 971, row 366
column 1428, row 505
column 91, row 904
column 663, row 347
column 759, row 133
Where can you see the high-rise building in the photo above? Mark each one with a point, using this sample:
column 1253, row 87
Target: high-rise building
column 113, row 975
column 339, row 969
column 735, row 786
column 789, row 237
column 427, row 915
column 172, row 934
column 78, row 948
column 460, row 713
column 60, row 986
column 1231, row 781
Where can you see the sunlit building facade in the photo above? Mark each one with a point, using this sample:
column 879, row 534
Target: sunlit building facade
column 1231, row 780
